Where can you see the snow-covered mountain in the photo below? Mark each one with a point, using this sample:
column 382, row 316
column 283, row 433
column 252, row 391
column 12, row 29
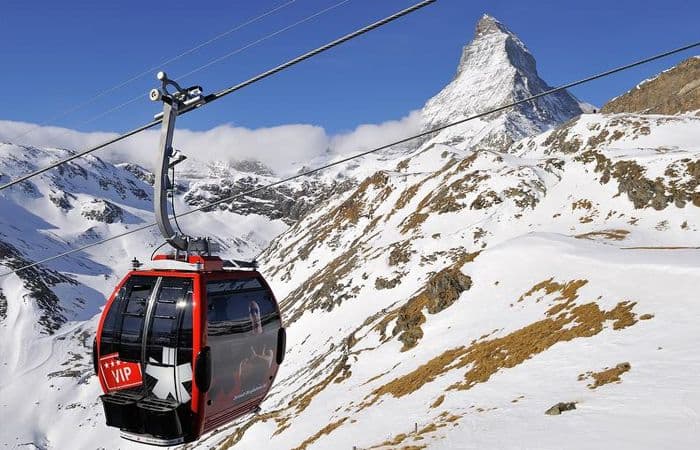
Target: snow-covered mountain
column 521, row 282
column 472, row 290
column 496, row 69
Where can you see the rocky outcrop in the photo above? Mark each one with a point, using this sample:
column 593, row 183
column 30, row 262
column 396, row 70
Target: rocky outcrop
column 592, row 140
column 38, row 281
column 62, row 200
column 288, row 203
column 560, row 408
column 102, row 211
column 139, row 172
column 675, row 91
column 440, row 292
column 252, row 166
column 3, row 306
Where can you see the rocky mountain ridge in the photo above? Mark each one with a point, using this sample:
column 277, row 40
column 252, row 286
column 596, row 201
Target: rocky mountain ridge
column 469, row 286
column 450, row 275
column 674, row 91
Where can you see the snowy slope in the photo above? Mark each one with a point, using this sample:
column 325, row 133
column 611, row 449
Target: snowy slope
column 49, row 313
column 471, row 295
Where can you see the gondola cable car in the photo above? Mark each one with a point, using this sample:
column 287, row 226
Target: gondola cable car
column 187, row 342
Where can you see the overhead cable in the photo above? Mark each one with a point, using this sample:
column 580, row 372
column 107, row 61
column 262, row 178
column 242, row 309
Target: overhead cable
column 365, row 153
column 212, row 97
column 144, row 73
column 221, row 58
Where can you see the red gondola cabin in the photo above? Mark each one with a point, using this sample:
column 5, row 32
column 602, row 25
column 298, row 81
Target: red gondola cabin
column 186, row 346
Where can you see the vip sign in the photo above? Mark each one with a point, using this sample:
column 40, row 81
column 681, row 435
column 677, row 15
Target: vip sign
column 119, row 374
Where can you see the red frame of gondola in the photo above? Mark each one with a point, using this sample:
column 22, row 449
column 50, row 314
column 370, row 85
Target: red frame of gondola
column 199, row 336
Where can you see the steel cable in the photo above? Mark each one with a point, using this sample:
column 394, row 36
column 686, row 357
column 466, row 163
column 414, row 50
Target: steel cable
column 365, row 153
column 142, row 74
column 224, row 92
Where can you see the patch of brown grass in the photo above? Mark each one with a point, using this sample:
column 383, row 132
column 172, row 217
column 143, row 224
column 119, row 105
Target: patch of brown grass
column 396, row 440
column 303, row 401
column 567, row 291
column 429, row 428
column 581, row 204
column 413, row 221
column 406, row 196
column 485, row 358
column 607, row 375
column 376, row 377
column 443, row 420
column 240, row 431
column 440, row 292
column 328, row 429
column 447, row 198
column 400, row 253
column 438, row 401
column 622, row 315
column 325, row 288
column 344, row 374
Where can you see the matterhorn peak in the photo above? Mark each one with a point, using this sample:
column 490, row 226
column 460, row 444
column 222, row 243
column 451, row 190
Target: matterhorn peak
column 490, row 34
column 496, row 69
column 489, row 24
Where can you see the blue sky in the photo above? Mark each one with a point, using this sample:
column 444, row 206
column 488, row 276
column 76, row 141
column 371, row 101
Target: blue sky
column 58, row 54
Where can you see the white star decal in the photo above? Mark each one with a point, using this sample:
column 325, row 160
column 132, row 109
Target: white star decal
column 168, row 384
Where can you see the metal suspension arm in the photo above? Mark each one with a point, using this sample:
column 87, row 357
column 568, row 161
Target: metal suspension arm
column 162, row 183
column 172, row 106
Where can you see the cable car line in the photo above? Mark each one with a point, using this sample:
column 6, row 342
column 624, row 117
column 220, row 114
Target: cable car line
column 213, row 97
column 365, row 153
column 264, row 38
column 143, row 73
column 220, row 58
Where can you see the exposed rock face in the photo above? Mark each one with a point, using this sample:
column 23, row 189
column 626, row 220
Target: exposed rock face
column 139, row 172
column 3, row 306
column 674, row 91
column 102, row 211
column 285, row 202
column 589, row 138
column 560, row 408
column 441, row 291
column 495, row 69
column 252, row 166
column 62, row 200
column 38, row 281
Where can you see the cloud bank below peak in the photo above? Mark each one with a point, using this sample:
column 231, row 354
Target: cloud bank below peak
column 283, row 148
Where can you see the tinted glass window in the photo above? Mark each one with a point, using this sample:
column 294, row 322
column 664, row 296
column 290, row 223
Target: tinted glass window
column 140, row 293
column 173, row 299
column 242, row 324
column 123, row 325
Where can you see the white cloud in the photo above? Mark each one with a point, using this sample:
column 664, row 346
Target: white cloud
column 284, row 148
column 368, row 136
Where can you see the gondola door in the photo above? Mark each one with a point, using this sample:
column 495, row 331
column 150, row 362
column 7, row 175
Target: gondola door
column 145, row 359
column 243, row 324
